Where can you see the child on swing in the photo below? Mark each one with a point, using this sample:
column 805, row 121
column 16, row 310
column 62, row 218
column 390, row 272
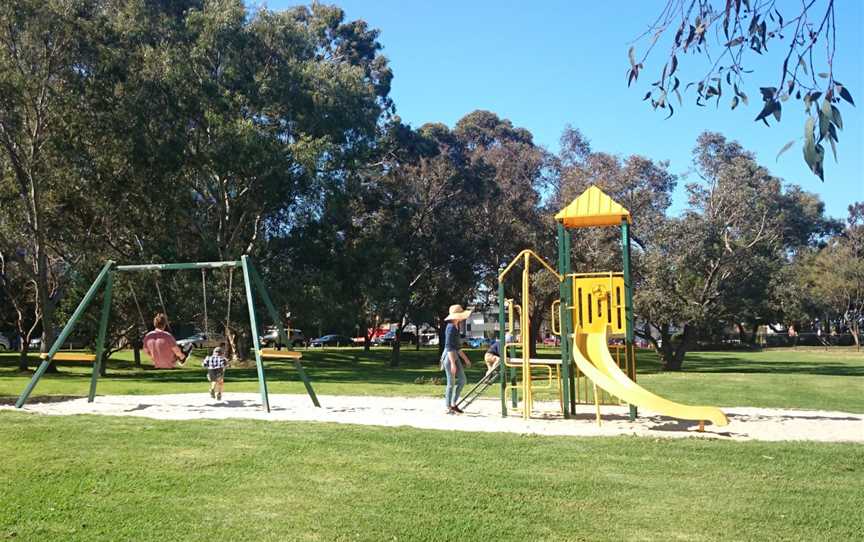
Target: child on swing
column 215, row 364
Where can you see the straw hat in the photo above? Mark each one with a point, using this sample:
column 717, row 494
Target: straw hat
column 457, row 313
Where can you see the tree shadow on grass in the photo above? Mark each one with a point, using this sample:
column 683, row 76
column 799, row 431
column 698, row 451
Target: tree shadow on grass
column 794, row 416
column 686, row 426
column 767, row 362
column 736, row 365
column 208, row 407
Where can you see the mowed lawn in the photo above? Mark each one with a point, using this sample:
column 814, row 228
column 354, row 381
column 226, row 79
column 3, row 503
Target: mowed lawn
column 104, row 478
column 780, row 377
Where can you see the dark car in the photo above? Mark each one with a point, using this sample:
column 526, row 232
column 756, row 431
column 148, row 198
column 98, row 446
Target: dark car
column 331, row 340
column 388, row 338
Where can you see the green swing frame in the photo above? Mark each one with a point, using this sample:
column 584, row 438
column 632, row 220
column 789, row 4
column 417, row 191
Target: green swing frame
column 252, row 284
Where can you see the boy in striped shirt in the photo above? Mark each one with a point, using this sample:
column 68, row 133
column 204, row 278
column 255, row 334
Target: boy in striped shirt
column 215, row 364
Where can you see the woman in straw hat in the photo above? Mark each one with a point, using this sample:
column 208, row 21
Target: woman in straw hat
column 450, row 359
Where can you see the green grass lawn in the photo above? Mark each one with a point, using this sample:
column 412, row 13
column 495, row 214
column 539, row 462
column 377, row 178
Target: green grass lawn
column 781, row 377
column 104, row 478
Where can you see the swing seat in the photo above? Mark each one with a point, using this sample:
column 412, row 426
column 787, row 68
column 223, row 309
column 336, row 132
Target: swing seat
column 71, row 356
column 272, row 353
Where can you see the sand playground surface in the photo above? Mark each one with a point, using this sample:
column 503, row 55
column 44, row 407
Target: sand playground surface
column 484, row 415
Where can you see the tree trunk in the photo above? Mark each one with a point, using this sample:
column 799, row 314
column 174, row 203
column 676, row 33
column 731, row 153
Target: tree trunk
column 397, row 344
column 43, row 293
column 666, row 352
column 742, row 334
column 533, row 332
column 442, row 333
column 23, row 351
column 676, row 360
column 394, row 353
column 136, row 353
column 753, row 335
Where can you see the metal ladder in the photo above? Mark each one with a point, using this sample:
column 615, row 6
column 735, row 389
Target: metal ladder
column 479, row 387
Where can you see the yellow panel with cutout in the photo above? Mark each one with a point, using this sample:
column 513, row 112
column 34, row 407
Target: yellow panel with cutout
column 598, row 302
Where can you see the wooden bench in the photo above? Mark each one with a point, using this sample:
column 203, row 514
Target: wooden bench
column 71, row 356
column 272, row 353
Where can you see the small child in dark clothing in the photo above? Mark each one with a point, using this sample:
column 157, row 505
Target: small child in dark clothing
column 492, row 357
column 215, row 365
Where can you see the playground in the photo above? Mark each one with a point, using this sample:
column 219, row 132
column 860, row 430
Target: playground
column 587, row 388
column 284, row 273
column 586, row 381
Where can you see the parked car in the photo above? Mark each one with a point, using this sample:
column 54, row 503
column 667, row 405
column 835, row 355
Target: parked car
column 202, row 340
column 388, row 338
column 478, row 342
column 426, row 338
column 5, row 342
column 331, row 340
column 433, row 341
column 271, row 337
column 72, row 343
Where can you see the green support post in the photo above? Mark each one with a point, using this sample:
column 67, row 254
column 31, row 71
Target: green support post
column 563, row 308
column 100, row 339
column 274, row 315
column 259, row 363
column 568, row 315
column 628, row 305
column 502, row 342
column 67, row 329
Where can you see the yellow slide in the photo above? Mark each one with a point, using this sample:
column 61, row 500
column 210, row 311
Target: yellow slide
column 594, row 360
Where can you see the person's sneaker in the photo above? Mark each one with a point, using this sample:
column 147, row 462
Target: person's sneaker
column 218, row 396
column 457, row 410
column 213, row 394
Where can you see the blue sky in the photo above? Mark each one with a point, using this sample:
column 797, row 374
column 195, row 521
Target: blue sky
column 549, row 63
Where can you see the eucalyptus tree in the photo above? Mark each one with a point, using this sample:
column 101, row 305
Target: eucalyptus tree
column 48, row 51
column 836, row 274
column 695, row 261
column 728, row 36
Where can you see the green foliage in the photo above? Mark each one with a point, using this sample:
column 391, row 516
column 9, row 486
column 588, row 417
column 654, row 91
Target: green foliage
column 740, row 29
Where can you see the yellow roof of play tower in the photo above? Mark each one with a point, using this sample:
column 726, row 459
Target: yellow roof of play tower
column 593, row 208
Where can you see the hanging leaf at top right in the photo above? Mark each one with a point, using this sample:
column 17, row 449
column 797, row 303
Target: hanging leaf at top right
column 727, row 35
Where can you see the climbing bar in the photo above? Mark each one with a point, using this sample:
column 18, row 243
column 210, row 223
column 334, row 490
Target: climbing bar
column 519, row 257
column 178, row 266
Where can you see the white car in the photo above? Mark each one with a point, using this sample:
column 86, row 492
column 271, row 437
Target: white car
column 271, row 336
column 202, row 340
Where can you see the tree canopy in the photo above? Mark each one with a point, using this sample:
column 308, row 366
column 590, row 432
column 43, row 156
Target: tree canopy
column 189, row 131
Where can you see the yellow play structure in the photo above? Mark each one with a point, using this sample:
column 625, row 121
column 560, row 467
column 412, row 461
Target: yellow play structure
column 592, row 309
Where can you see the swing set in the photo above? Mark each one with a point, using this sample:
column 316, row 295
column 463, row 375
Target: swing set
column 252, row 284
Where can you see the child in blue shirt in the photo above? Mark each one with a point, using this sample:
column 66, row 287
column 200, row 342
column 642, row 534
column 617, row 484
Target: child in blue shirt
column 215, row 364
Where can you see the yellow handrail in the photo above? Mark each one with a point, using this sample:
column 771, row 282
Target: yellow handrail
column 525, row 322
column 536, row 257
column 552, row 317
